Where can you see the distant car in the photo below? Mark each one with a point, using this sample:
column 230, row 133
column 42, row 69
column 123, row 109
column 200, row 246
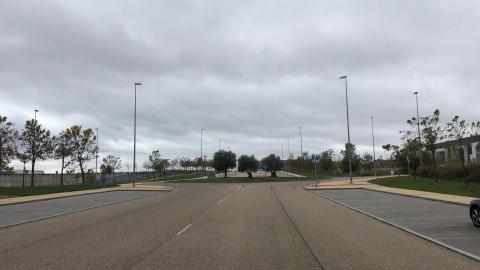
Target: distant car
column 475, row 212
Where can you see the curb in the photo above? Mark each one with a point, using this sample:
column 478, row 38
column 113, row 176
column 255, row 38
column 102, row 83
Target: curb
column 464, row 253
column 419, row 197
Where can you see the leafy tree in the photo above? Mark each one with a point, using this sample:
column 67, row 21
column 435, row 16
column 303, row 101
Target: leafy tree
column 22, row 155
column 432, row 133
column 37, row 143
column 326, row 160
column 7, row 143
column 457, row 130
column 394, row 152
column 272, row 164
column 84, row 146
column 224, row 160
column 157, row 163
column 350, row 151
column 247, row 164
column 110, row 164
column 367, row 161
column 63, row 150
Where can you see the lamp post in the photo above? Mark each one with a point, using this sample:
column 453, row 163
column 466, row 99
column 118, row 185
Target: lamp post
column 418, row 127
column 135, row 131
column 348, row 127
column 301, row 149
column 219, row 143
column 288, row 154
column 96, row 154
column 282, row 151
column 373, row 146
column 201, row 145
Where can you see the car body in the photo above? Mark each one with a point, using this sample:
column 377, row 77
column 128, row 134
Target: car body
column 475, row 212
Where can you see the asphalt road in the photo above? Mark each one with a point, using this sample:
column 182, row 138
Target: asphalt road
column 221, row 226
column 446, row 223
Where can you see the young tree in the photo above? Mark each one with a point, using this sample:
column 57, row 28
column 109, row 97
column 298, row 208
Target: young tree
column 367, row 161
column 157, row 163
column 110, row 164
column 224, row 160
column 457, row 130
column 432, row 133
column 7, row 143
column 37, row 142
column 394, row 151
column 350, row 150
column 63, row 149
column 272, row 164
column 247, row 164
column 22, row 155
column 326, row 160
column 84, row 146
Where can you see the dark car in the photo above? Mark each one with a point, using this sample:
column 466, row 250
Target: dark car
column 475, row 212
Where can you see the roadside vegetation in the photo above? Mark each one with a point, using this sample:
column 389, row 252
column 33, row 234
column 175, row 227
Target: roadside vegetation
column 30, row 191
column 454, row 186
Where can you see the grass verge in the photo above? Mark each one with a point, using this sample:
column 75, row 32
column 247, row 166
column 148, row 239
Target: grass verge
column 6, row 192
column 454, row 187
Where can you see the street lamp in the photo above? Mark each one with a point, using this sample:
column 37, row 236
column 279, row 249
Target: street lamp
column 348, row 127
column 96, row 154
column 36, row 111
column 219, row 143
column 373, row 146
column 301, row 149
column 201, row 145
column 418, row 126
column 135, row 131
column 288, row 154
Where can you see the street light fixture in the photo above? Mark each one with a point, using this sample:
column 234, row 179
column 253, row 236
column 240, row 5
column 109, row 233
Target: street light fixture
column 348, row 127
column 135, row 131
column 288, row 154
column 96, row 154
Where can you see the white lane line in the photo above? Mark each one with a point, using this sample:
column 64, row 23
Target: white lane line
column 224, row 198
column 184, row 229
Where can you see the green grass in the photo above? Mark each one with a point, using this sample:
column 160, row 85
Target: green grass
column 6, row 192
column 455, row 187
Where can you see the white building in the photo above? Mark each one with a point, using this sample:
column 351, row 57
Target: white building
column 470, row 148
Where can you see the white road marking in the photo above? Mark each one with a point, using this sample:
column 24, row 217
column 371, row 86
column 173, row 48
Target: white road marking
column 184, row 229
column 224, row 198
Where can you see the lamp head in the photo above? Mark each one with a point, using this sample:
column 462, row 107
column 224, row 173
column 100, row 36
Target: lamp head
column 343, row 77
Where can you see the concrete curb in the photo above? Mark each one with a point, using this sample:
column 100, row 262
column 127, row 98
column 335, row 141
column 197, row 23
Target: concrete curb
column 467, row 254
column 100, row 190
column 418, row 197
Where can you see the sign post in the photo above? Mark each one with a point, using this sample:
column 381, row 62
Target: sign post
column 315, row 159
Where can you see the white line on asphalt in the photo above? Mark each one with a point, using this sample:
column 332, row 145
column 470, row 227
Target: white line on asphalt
column 224, row 198
column 184, row 229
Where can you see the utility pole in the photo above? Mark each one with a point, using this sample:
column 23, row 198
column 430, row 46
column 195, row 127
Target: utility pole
column 135, row 132
column 201, row 146
column 373, row 145
column 96, row 154
column 301, row 149
column 348, row 128
column 288, row 154
column 418, row 126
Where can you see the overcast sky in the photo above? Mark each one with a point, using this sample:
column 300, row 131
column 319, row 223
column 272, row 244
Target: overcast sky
column 249, row 72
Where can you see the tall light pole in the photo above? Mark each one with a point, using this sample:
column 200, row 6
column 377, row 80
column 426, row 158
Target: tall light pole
column 282, row 151
column 201, row 145
column 373, row 146
column 301, row 148
column 288, row 154
column 36, row 111
column 348, row 128
column 135, row 131
column 418, row 126
column 96, row 154
column 219, row 143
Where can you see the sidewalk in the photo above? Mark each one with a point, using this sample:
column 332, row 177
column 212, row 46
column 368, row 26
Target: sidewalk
column 362, row 183
column 139, row 186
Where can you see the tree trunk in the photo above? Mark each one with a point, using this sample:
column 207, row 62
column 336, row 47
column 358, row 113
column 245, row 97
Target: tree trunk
column 23, row 178
column 225, row 173
column 81, row 170
column 61, row 171
column 434, row 164
column 32, row 179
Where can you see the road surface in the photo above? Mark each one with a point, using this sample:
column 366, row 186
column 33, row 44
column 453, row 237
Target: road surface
column 221, row 226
